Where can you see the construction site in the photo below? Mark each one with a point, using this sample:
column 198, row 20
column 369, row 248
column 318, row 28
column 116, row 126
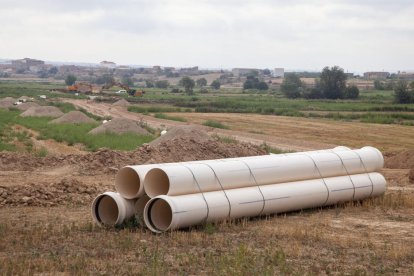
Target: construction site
column 47, row 190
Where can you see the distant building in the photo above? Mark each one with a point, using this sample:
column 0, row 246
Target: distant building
column 239, row 72
column 189, row 71
column 108, row 64
column 278, row 73
column 27, row 64
column 376, row 75
column 406, row 75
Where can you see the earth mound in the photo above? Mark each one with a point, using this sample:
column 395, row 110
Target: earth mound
column 401, row 160
column 7, row 102
column 183, row 132
column 26, row 106
column 119, row 126
column 42, row 111
column 73, row 117
column 121, row 102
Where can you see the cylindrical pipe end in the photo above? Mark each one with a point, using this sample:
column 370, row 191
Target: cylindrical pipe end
column 128, row 183
column 156, row 183
column 107, row 209
column 158, row 214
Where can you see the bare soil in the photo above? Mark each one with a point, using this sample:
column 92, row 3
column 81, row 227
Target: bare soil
column 121, row 102
column 120, row 126
column 42, row 111
column 73, row 117
column 46, row 226
column 26, row 106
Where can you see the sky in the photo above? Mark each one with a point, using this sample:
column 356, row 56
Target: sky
column 358, row 35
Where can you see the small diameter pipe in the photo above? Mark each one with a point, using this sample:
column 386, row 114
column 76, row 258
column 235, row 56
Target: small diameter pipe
column 215, row 175
column 130, row 179
column 111, row 209
column 163, row 213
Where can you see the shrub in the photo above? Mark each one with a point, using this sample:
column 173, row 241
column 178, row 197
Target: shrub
column 351, row 92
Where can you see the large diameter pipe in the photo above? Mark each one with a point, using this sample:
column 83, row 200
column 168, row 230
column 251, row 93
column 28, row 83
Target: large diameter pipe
column 129, row 181
column 205, row 176
column 111, row 209
column 163, row 213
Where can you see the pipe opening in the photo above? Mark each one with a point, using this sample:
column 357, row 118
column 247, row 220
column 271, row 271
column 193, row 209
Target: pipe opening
column 160, row 214
column 106, row 210
column 127, row 182
column 156, row 183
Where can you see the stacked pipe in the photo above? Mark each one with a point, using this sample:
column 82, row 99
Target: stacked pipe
column 177, row 195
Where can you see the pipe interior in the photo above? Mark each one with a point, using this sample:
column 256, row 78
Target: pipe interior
column 127, row 182
column 107, row 210
column 156, row 183
column 160, row 214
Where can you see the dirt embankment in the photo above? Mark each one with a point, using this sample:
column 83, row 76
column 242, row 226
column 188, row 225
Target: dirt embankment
column 82, row 186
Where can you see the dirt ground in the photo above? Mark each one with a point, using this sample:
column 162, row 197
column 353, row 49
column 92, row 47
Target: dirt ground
column 46, row 225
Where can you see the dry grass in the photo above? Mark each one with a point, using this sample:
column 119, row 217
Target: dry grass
column 372, row 237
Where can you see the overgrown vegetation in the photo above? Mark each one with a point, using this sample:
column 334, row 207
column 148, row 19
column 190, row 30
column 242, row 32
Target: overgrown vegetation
column 168, row 117
column 215, row 124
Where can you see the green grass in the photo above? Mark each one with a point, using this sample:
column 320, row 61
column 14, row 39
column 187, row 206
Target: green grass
column 153, row 109
column 17, row 89
column 64, row 107
column 167, row 117
column 215, row 124
column 69, row 133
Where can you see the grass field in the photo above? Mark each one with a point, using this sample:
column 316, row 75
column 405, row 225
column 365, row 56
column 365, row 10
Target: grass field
column 69, row 133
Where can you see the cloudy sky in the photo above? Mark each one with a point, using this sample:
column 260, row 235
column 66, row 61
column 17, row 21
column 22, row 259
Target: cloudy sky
column 358, row 35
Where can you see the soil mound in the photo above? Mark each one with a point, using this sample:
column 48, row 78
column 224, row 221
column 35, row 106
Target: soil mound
column 42, row 111
column 401, row 160
column 66, row 191
column 121, row 102
column 119, row 126
column 26, row 106
column 183, row 132
column 73, row 117
column 7, row 102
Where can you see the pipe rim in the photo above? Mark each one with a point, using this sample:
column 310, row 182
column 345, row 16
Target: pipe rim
column 128, row 183
column 156, row 182
column 148, row 220
column 96, row 213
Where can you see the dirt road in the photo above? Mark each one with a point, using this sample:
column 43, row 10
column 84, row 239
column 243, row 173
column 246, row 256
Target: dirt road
column 287, row 133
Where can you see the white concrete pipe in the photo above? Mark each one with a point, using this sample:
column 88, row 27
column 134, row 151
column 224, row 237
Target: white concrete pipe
column 163, row 213
column 112, row 209
column 130, row 179
column 216, row 175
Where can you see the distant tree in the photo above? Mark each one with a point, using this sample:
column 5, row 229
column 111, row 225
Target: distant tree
column 266, row 72
column 188, row 84
column 291, row 86
column 162, row 84
column 215, row 84
column 127, row 80
column 70, row 79
column 351, row 92
column 333, row 82
column 250, row 83
column 379, row 85
column 262, row 85
column 43, row 74
column 402, row 93
column 105, row 79
column 253, row 73
column 201, row 82
column 411, row 85
column 53, row 70
column 149, row 84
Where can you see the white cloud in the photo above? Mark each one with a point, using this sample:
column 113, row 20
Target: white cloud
column 357, row 35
